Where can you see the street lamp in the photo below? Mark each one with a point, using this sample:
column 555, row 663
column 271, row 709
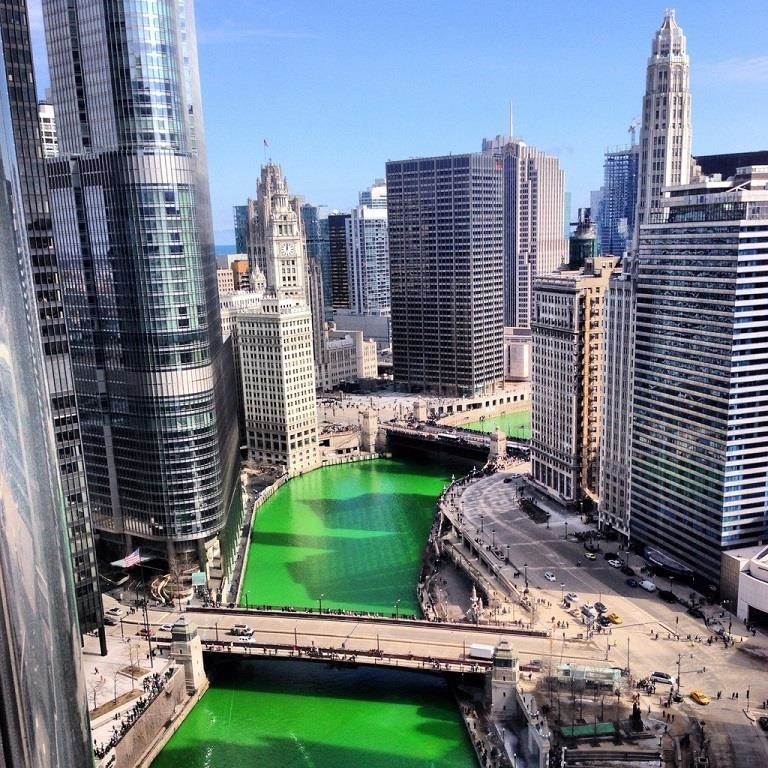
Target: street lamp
column 525, row 567
column 507, row 553
column 320, row 601
column 566, row 529
column 397, row 609
column 493, row 537
column 562, row 593
column 482, row 518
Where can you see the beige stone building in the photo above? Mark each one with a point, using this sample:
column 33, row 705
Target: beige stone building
column 567, row 326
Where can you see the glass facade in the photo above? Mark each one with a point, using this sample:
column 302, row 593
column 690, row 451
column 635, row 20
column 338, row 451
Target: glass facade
column 43, row 709
column 617, row 213
column 129, row 195
column 49, row 309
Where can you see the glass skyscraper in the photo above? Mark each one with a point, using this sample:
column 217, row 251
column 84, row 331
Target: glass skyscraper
column 43, row 709
column 131, row 214
column 49, row 310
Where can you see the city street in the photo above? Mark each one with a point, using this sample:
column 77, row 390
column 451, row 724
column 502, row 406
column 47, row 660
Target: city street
column 652, row 636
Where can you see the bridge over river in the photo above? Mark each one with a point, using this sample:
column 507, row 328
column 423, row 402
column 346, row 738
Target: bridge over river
column 369, row 639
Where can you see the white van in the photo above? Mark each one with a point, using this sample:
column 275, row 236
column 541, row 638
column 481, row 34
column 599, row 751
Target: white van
column 648, row 586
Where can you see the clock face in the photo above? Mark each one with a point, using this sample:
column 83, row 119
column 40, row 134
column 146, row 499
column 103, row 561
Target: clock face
column 286, row 249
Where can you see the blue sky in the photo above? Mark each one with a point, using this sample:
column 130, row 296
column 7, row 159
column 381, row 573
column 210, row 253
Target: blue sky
column 338, row 88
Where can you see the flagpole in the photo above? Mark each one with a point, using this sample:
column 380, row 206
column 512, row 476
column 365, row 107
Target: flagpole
column 146, row 614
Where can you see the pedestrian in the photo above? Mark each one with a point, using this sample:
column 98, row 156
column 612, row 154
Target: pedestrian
column 737, row 695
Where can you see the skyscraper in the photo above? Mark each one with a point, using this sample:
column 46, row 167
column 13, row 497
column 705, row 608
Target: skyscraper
column 567, row 342
column 129, row 196
column 699, row 475
column 338, row 258
column 534, row 239
column 276, row 342
column 314, row 219
column 368, row 250
column 664, row 160
column 43, row 707
column 27, row 136
column 616, row 221
column 446, row 266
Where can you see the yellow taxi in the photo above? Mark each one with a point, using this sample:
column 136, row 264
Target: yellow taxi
column 699, row 697
column 614, row 618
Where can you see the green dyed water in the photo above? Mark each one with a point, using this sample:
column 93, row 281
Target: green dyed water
column 352, row 533
column 284, row 714
column 513, row 425
column 355, row 534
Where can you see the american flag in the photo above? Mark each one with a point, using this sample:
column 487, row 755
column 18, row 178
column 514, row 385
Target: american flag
column 133, row 559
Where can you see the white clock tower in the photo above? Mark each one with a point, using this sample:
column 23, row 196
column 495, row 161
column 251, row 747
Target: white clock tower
column 282, row 245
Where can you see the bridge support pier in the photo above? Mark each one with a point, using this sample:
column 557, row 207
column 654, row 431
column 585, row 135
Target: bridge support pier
column 187, row 652
column 502, row 683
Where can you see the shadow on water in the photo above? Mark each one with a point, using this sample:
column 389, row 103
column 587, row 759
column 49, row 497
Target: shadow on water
column 325, row 719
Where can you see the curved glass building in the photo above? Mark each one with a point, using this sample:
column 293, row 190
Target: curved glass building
column 131, row 213
column 43, row 712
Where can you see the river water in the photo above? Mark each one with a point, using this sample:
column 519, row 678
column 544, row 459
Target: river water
column 353, row 534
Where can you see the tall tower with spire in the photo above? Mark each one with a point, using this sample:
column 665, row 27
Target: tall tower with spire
column 664, row 160
column 665, row 136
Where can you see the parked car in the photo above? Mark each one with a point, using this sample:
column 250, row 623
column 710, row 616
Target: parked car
column 111, row 620
column 144, row 632
column 699, row 696
column 627, row 570
column 116, row 611
column 648, row 586
column 603, row 621
column 572, row 597
column 609, row 556
column 696, row 612
column 590, row 556
column 601, row 607
column 632, row 583
column 615, row 618
column 667, row 595
column 615, row 563
column 588, row 611
column 661, row 677
column 534, row 665
column 166, row 627
column 763, row 723
column 549, row 576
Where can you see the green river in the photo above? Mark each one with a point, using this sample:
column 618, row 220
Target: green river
column 353, row 534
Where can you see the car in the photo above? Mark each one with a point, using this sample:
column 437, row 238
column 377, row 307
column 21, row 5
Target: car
column 632, row 583
column 603, row 621
column 242, row 630
column 572, row 597
column 648, row 585
column 590, row 556
column 111, row 620
column 627, row 571
column 661, row 677
column 534, row 665
column 610, row 556
column 615, row 563
column 116, row 611
column 696, row 612
column 667, row 595
column 145, row 632
column 699, row 696
column 166, row 627
column 601, row 607
column 588, row 611
column 763, row 723
column 614, row 618
column 549, row 576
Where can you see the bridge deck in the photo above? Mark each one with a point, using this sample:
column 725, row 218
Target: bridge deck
column 355, row 639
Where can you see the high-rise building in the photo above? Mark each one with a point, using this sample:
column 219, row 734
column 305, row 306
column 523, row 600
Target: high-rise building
column 338, row 259
column 241, row 228
column 664, row 159
column 616, row 219
column 275, row 344
column 48, row 137
column 43, row 705
column 130, row 203
column 368, row 251
column 699, row 475
column 314, row 219
column 567, row 342
column 534, row 228
column 446, row 266
column 27, row 137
